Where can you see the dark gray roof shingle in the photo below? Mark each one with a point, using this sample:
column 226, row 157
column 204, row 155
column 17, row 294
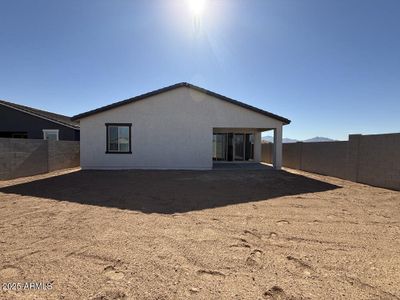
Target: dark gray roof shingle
column 61, row 119
column 168, row 88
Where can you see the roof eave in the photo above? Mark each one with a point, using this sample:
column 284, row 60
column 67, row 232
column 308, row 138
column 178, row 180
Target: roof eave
column 76, row 127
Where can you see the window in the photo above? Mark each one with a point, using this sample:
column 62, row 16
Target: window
column 13, row 135
column 50, row 134
column 19, row 135
column 118, row 138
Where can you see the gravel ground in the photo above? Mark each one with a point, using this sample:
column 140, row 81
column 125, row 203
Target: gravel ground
column 236, row 234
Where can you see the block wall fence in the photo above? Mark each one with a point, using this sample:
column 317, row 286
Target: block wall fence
column 369, row 159
column 27, row 157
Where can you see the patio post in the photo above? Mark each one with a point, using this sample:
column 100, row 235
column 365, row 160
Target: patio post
column 277, row 155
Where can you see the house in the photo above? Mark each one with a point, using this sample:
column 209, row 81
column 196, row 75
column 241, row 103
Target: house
column 18, row 121
column 177, row 127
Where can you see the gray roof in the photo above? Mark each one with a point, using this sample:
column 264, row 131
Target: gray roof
column 168, row 88
column 60, row 119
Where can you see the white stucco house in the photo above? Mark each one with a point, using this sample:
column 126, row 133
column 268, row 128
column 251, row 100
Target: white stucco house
column 177, row 127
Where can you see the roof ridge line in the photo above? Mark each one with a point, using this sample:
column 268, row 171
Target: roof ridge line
column 174, row 86
column 38, row 113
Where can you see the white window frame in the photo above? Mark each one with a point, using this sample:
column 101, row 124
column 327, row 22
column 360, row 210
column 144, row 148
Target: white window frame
column 45, row 131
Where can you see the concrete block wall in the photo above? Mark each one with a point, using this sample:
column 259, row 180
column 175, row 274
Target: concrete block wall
column 266, row 152
column 19, row 157
column 27, row 157
column 292, row 155
column 369, row 159
column 353, row 151
column 379, row 160
column 62, row 155
column 327, row 158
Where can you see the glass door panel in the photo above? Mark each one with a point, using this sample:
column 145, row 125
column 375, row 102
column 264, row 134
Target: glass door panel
column 249, row 146
column 239, row 146
column 230, row 147
column 219, row 146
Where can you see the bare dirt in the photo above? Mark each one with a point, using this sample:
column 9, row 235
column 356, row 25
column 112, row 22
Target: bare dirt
column 237, row 234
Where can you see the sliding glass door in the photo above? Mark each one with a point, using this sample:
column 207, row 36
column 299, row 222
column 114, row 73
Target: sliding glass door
column 233, row 146
column 249, row 146
column 220, row 146
column 239, row 146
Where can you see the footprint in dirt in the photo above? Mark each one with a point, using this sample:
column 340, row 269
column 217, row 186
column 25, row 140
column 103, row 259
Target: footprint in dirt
column 212, row 273
column 112, row 273
column 282, row 222
column 242, row 244
column 252, row 233
column 305, row 267
column 297, row 206
column 252, row 236
column 110, row 295
column 275, row 293
column 273, row 235
column 10, row 271
column 332, row 216
column 314, row 222
column 254, row 259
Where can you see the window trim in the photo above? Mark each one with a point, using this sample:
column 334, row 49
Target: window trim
column 57, row 131
column 129, row 125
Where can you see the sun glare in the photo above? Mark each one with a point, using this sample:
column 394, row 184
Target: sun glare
column 197, row 7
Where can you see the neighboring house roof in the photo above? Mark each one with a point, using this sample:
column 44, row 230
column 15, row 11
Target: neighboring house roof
column 49, row 116
column 169, row 88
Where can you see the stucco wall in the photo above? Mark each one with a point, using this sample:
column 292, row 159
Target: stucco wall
column 172, row 130
column 369, row 159
column 27, row 157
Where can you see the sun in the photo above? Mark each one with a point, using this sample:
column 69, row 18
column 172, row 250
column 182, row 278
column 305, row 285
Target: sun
column 197, row 7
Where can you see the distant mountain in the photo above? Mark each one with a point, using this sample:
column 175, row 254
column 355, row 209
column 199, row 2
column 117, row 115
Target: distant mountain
column 270, row 139
column 317, row 139
column 267, row 139
column 287, row 140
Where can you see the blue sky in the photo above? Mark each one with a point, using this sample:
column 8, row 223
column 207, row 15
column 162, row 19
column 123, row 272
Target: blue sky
column 332, row 67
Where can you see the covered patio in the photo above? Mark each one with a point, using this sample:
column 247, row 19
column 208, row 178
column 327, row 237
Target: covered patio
column 241, row 166
column 241, row 146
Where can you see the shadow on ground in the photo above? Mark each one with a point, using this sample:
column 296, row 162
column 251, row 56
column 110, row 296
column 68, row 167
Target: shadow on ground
column 169, row 191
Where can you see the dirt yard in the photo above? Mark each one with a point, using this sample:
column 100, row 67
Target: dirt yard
column 237, row 234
